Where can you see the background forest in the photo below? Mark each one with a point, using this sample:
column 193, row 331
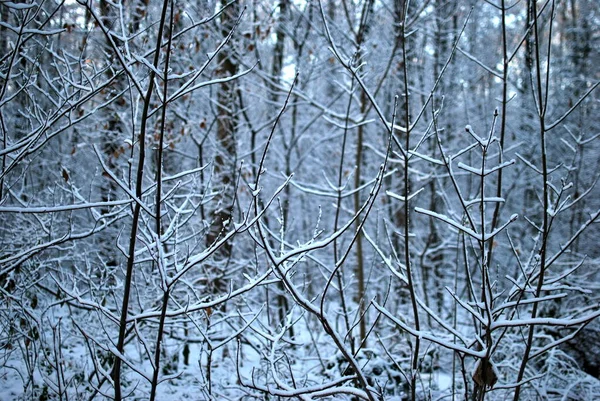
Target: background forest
column 299, row 199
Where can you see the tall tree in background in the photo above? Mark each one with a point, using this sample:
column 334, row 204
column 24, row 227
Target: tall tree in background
column 225, row 160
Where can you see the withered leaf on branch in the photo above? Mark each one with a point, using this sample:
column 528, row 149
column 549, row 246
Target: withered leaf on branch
column 65, row 175
column 485, row 373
